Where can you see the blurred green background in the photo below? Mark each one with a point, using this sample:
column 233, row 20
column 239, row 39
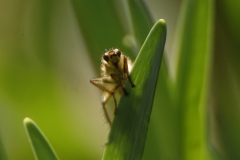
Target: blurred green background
column 47, row 59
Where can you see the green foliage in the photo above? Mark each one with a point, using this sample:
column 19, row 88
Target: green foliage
column 195, row 93
column 193, row 49
column 130, row 126
column 225, row 80
column 3, row 154
column 41, row 147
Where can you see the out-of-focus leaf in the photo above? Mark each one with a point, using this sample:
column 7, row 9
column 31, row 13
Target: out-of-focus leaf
column 140, row 18
column 225, row 86
column 101, row 27
column 193, row 52
column 41, row 147
column 37, row 31
column 3, row 155
column 129, row 130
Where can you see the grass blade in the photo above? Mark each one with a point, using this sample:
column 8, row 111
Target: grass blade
column 40, row 145
column 101, row 27
column 193, row 50
column 164, row 122
column 225, row 85
column 129, row 130
column 141, row 19
column 3, row 154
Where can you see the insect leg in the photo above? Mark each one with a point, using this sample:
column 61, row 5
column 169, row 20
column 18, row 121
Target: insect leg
column 124, row 91
column 101, row 83
column 115, row 104
column 98, row 82
column 105, row 111
column 125, row 64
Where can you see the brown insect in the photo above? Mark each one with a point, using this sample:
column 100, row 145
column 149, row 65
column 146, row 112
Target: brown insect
column 115, row 70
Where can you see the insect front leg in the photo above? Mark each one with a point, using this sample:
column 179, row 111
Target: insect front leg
column 104, row 101
column 115, row 104
column 125, row 66
column 108, row 87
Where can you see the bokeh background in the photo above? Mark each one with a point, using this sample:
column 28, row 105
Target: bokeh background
column 46, row 63
column 45, row 68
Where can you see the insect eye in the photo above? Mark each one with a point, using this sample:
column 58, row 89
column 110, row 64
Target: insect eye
column 119, row 53
column 106, row 58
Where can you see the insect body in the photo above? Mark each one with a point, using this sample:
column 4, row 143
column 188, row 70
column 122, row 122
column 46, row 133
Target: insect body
column 115, row 70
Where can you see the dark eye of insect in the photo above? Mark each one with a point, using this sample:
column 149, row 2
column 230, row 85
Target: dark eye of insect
column 106, row 58
column 118, row 53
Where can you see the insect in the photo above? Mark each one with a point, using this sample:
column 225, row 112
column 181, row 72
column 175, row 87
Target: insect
column 115, row 70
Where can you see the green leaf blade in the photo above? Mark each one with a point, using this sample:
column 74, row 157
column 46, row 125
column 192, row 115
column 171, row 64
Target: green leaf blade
column 128, row 133
column 141, row 19
column 225, row 85
column 3, row 154
column 40, row 145
column 101, row 27
column 193, row 50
